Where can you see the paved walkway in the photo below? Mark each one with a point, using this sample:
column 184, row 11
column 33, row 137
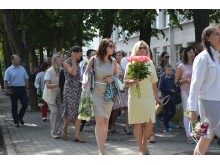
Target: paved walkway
column 34, row 138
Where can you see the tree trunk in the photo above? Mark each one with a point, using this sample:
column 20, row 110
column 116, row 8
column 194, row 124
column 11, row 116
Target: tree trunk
column 13, row 34
column 34, row 57
column 26, row 36
column 6, row 52
column 1, row 77
column 79, row 30
column 41, row 51
column 49, row 44
column 59, row 40
column 201, row 21
column 109, row 17
column 145, row 33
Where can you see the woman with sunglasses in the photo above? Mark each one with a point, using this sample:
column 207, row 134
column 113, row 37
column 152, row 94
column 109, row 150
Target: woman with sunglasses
column 141, row 110
column 105, row 66
column 164, row 61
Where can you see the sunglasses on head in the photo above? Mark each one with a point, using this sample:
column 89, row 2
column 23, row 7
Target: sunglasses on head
column 142, row 48
column 111, row 46
column 167, row 56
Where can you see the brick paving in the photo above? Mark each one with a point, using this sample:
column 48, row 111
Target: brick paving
column 34, row 138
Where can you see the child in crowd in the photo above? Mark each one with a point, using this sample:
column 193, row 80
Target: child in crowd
column 167, row 87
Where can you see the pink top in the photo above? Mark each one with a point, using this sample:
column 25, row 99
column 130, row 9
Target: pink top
column 187, row 73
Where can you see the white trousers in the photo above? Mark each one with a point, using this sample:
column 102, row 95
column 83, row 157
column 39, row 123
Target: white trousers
column 56, row 116
column 186, row 121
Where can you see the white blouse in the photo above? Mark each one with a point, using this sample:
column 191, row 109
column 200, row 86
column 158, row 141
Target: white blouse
column 205, row 83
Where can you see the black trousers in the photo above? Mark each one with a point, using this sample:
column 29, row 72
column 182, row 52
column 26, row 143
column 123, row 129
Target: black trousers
column 169, row 112
column 20, row 93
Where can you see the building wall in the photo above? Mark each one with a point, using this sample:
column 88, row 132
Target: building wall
column 174, row 39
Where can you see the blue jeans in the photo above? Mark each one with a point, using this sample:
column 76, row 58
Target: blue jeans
column 21, row 94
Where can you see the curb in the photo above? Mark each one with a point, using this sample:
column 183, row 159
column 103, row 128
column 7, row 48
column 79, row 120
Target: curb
column 9, row 147
column 7, row 143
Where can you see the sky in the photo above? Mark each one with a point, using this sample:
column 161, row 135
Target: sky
column 109, row 4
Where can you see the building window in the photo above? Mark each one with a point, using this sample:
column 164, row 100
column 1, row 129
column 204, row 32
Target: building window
column 177, row 52
column 156, row 55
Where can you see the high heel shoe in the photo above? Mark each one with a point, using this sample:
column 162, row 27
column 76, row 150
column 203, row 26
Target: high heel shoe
column 64, row 134
column 127, row 132
column 152, row 139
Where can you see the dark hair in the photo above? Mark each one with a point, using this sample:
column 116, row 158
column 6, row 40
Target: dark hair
column 181, row 50
column 161, row 56
column 44, row 66
column 75, row 49
column 101, row 53
column 206, row 33
column 89, row 52
column 185, row 56
column 122, row 53
column 151, row 54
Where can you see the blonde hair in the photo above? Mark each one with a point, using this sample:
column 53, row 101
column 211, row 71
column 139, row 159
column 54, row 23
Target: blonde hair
column 55, row 58
column 136, row 48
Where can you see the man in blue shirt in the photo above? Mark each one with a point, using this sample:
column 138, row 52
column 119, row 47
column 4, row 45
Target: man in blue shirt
column 16, row 85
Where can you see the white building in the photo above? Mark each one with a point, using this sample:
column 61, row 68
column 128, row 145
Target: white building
column 174, row 39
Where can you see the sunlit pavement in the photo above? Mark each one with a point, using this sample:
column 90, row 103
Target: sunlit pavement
column 34, row 138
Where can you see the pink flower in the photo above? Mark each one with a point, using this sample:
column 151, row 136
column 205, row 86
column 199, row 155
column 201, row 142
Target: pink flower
column 131, row 58
column 138, row 58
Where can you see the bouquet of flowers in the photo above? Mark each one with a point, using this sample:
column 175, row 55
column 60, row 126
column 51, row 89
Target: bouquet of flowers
column 199, row 128
column 138, row 69
column 85, row 105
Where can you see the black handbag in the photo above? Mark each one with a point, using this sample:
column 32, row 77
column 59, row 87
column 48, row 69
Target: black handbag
column 92, row 75
column 176, row 98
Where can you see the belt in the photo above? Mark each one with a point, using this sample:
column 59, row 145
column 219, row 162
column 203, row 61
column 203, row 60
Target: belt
column 102, row 83
column 16, row 86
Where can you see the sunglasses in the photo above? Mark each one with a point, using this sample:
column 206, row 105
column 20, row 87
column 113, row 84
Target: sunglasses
column 167, row 56
column 111, row 46
column 142, row 48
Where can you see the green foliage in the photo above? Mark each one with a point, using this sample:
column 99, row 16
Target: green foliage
column 133, row 20
column 1, row 51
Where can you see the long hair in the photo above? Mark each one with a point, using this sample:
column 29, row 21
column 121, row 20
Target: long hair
column 185, row 56
column 136, row 48
column 206, row 33
column 102, row 49
column 161, row 62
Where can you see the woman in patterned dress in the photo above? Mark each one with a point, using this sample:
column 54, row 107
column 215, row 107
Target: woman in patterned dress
column 72, row 92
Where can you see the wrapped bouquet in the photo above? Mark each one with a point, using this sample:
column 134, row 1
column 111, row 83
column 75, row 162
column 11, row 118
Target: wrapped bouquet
column 138, row 69
column 198, row 128
column 85, row 105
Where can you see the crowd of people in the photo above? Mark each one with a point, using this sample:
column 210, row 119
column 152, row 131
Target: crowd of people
column 60, row 81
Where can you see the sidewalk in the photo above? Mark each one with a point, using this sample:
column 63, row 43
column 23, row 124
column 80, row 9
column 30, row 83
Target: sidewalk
column 34, row 138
